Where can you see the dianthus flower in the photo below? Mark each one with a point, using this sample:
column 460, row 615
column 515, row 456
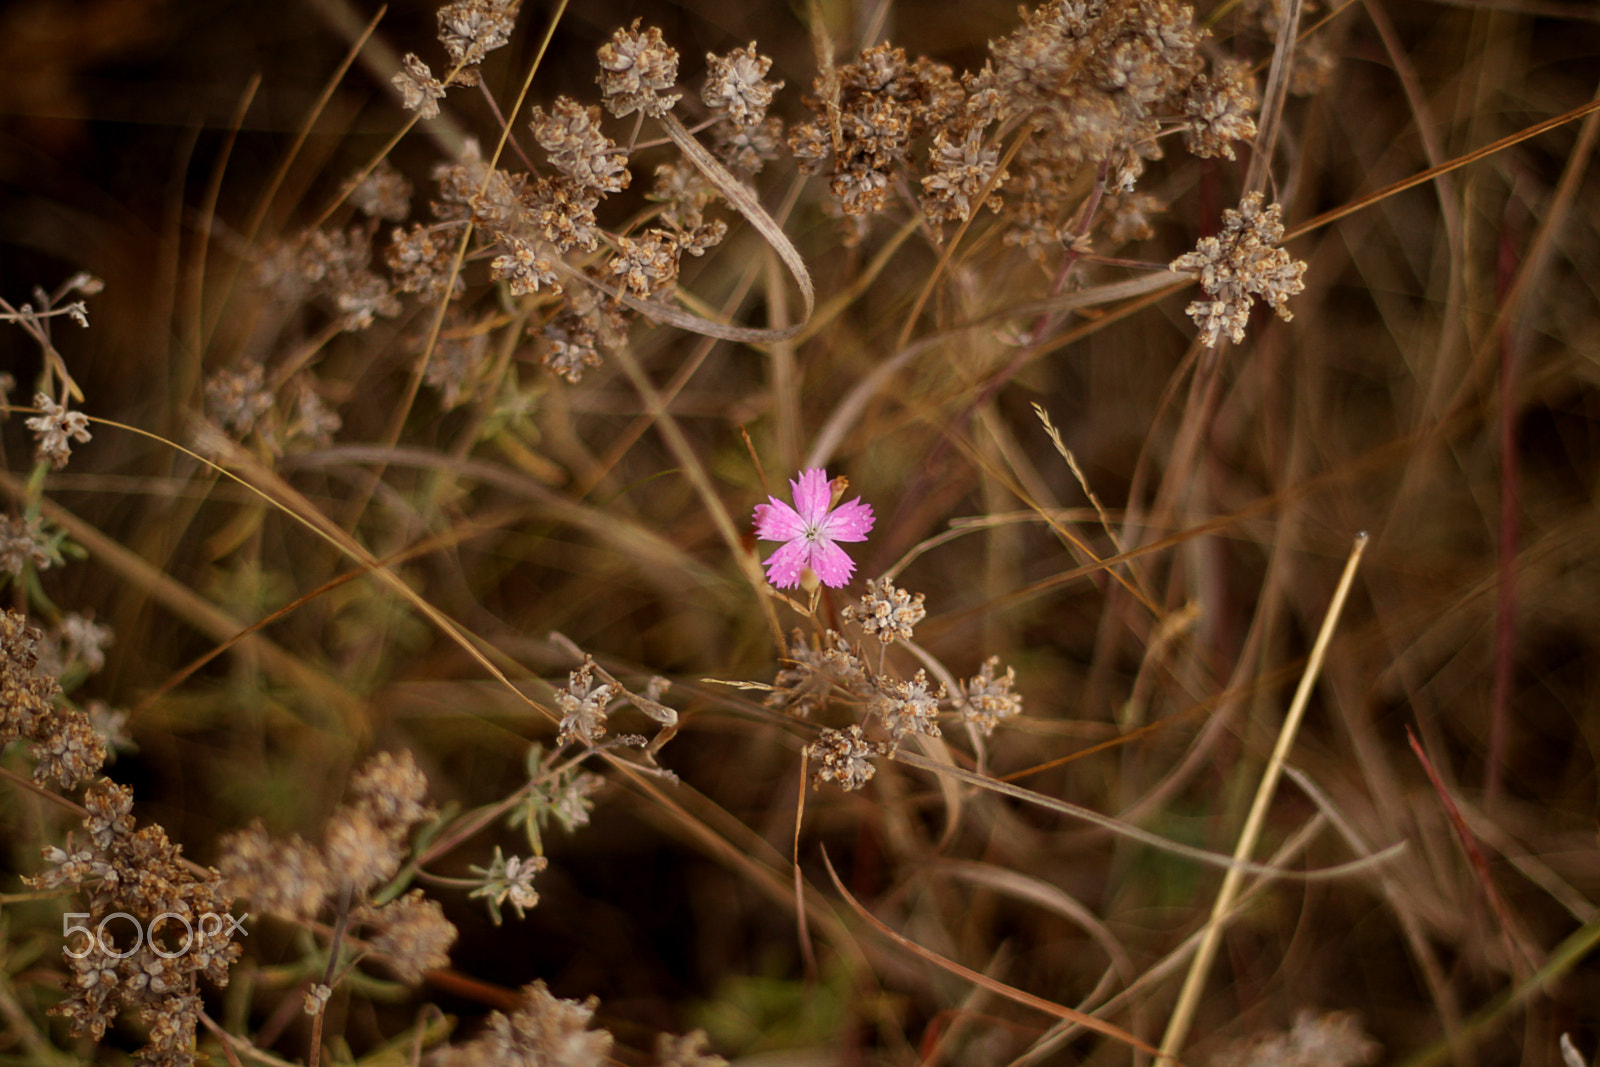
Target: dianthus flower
column 809, row 531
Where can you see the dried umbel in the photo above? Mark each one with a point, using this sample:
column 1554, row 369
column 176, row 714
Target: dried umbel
column 908, row 707
column 410, row 933
column 66, row 748
column 363, row 845
column 546, row 1030
column 986, row 700
column 54, row 429
column 844, row 756
column 471, row 29
column 183, row 918
column 960, row 169
column 508, row 881
column 23, row 543
column 636, row 72
column 570, row 135
column 886, row 611
column 1335, row 1039
column 1220, row 109
column 419, row 90
column 736, row 86
column 285, row 877
column 1239, row 264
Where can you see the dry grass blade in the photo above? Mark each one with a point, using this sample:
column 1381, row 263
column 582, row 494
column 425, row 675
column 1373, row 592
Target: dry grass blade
column 746, row 204
column 1189, row 997
column 1480, row 863
column 1060, row 1011
column 1145, row 837
column 1272, row 101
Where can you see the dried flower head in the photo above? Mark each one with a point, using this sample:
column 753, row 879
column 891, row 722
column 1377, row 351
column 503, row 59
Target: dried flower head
column 1220, row 110
column 1239, row 264
column 844, row 756
column 736, row 85
column 545, row 1032
column 1335, row 1039
column 636, row 72
column 140, row 876
column 412, row 935
column 23, row 541
column 745, row 150
column 383, row 193
column 422, row 260
column 314, row 422
column 960, row 166
column 56, row 429
column 236, row 399
column 419, row 90
column 986, row 700
column 359, row 854
column 684, row 192
column 886, row 611
column 686, row 1051
column 508, row 880
column 287, row 878
column 524, row 267
column 471, row 29
column 570, row 135
column 648, row 265
column 393, row 790
column 69, row 752
column 335, row 265
column 908, row 707
column 810, row 531
column 583, row 706
column 85, row 640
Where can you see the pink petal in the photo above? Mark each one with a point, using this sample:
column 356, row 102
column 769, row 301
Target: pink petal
column 813, row 492
column 832, row 564
column 848, row 522
column 777, row 521
column 783, row 566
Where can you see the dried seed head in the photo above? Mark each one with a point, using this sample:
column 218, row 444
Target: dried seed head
column 960, row 167
column 986, row 700
column 359, row 854
column 55, row 430
column 412, row 935
column 886, row 611
column 636, row 70
column 419, row 90
column 383, row 194
column 1238, row 265
column 908, row 707
column 508, row 880
column 686, row 1051
column 647, row 265
column 570, row 135
column 1220, row 110
column 524, row 267
column 471, row 29
column 23, row 541
column 583, row 706
column 736, row 85
column 844, row 756
column 287, row 878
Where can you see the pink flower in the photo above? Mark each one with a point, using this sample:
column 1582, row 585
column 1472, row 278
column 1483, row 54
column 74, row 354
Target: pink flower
column 809, row 530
